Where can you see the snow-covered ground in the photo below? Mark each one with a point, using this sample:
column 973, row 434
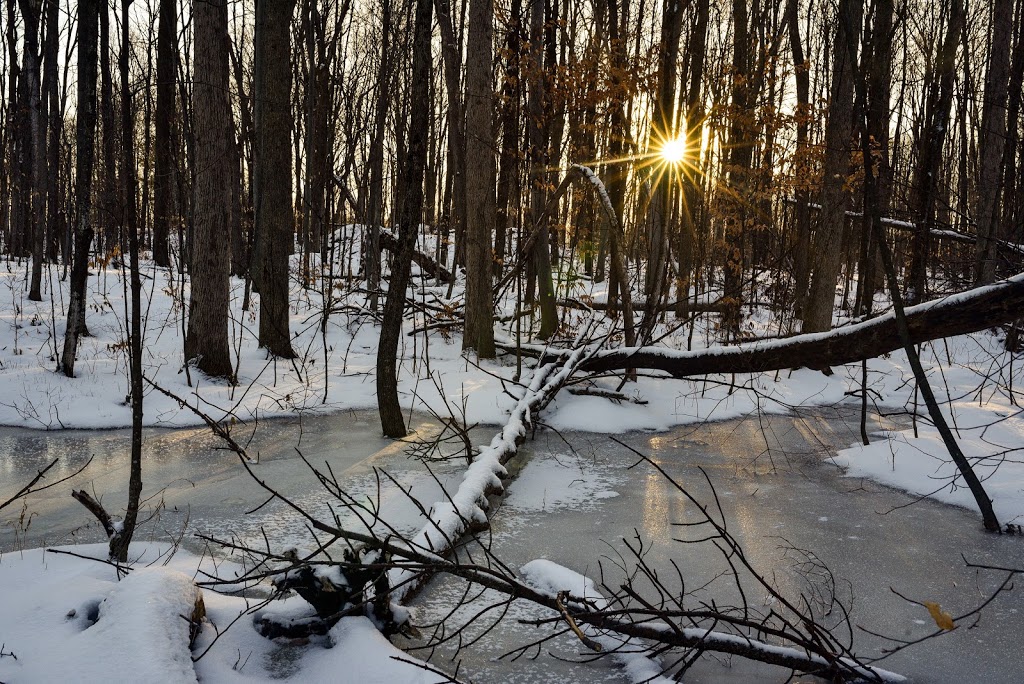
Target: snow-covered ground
column 67, row 619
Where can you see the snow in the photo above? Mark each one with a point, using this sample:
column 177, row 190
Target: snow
column 991, row 438
column 49, row 601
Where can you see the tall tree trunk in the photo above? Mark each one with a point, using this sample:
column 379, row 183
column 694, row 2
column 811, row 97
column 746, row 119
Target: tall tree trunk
column 827, row 255
column 375, row 195
column 36, row 182
column 741, row 147
column 508, row 164
column 878, row 53
column 686, row 240
column 119, row 542
column 993, row 141
column 410, row 200
column 939, row 102
column 452, row 61
column 85, row 136
column 537, row 139
column 109, row 216
column 166, row 113
column 206, row 342
column 481, row 212
column 272, row 83
column 802, row 163
column 661, row 177
column 54, row 193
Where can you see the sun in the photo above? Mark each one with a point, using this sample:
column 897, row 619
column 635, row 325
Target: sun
column 673, row 151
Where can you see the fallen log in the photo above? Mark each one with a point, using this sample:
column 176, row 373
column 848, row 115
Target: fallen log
column 465, row 510
column 957, row 314
column 642, row 305
column 426, row 262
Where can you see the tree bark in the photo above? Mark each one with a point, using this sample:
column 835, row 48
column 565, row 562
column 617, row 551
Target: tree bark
column 993, row 141
column 481, row 214
column 273, row 166
column 827, row 255
column 374, row 217
column 802, row 163
column 451, row 57
column 410, row 210
column 55, row 221
column 85, row 135
column 166, row 113
column 36, row 182
column 206, row 343
column 537, row 139
column 119, row 542
column 109, row 214
column 939, row 101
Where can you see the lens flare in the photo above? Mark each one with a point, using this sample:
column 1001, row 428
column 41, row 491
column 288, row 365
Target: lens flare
column 673, row 151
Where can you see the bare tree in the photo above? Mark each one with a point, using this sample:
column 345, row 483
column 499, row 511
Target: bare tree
column 206, row 342
column 481, row 211
column 993, row 141
column 166, row 113
column 827, row 257
column 85, row 134
column 410, row 198
column 273, row 166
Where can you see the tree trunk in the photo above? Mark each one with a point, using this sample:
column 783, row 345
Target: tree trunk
column 878, row 53
column 119, row 542
column 374, row 218
column 481, row 212
column 109, row 214
column 939, row 101
column 36, row 182
column 993, row 141
column 273, row 164
column 85, row 135
column 166, row 113
column 55, row 224
column 508, row 167
column 452, row 61
column 662, row 177
column 206, row 343
column 960, row 314
column 827, row 256
column 741, row 146
column 410, row 209
column 802, row 162
column 537, row 139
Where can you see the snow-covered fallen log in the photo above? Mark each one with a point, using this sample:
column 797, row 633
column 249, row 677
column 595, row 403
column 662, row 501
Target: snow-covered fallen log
column 427, row 263
column 467, row 507
column 958, row 314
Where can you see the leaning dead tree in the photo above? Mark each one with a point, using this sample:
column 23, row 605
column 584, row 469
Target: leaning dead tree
column 958, row 314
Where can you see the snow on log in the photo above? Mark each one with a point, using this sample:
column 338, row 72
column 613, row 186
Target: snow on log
column 426, row 262
column 957, row 314
column 451, row 518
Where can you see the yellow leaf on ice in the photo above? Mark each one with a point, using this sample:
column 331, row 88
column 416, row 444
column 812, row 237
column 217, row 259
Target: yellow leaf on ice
column 943, row 619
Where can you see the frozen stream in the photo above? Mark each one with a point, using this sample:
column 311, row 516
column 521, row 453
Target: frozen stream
column 573, row 506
